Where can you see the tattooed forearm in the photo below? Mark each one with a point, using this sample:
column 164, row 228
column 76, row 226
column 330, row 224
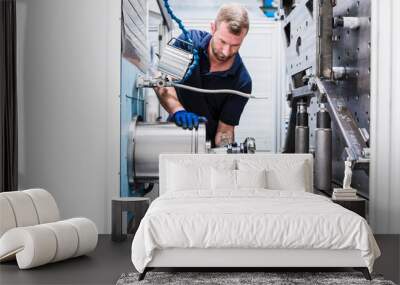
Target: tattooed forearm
column 223, row 138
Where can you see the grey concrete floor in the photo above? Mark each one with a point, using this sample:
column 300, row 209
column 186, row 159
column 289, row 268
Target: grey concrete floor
column 103, row 266
column 110, row 260
column 389, row 262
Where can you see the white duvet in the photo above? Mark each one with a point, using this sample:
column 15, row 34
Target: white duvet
column 252, row 218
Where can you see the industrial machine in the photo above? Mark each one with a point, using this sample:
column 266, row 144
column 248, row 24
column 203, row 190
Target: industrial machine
column 328, row 91
column 328, row 86
column 147, row 140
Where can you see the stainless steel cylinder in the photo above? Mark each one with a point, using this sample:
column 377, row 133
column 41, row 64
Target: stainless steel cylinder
column 148, row 140
column 342, row 73
column 323, row 159
column 302, row 139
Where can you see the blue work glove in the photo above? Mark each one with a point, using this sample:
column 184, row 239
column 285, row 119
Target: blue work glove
column 187, row 120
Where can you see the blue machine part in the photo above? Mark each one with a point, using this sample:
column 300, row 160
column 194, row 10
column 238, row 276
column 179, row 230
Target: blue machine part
column 269, row 8
column 132, row 104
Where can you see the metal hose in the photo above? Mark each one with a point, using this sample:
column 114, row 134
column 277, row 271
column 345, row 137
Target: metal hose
column 229, row 91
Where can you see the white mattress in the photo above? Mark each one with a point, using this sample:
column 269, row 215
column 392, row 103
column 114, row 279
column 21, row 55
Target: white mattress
column 252, row 218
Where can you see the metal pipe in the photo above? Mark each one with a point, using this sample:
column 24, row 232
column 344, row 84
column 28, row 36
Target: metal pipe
column 143, row 82
column 347, row 22
column 212, row 91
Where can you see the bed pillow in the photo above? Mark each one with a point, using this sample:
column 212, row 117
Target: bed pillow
column 282, row 174
column 223, row 179
column 288, row 178
column 192, row 175
column 181, row 177
column 230, row 180
column 251, row 178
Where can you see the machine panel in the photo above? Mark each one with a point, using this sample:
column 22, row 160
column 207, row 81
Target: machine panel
column 328, row 42
column 351, row 49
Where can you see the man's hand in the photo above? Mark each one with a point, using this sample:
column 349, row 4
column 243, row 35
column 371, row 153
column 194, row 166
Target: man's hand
column 187, row 120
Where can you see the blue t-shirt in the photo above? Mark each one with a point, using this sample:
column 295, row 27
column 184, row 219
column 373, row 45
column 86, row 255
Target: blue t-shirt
column 215, row 107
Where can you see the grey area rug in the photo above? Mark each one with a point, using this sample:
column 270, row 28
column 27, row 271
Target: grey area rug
column 232, row 278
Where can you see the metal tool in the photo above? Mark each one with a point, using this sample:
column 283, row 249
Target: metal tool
column 250, row 144
column 247, row 146
column 175, row 61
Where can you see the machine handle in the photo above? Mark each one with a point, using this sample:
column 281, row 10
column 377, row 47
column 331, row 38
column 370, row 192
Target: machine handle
column 190, row 45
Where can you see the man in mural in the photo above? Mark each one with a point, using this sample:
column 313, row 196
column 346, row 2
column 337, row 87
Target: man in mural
column 220, row 67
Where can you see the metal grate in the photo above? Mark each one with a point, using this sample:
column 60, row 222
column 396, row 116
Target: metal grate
column 134, row 32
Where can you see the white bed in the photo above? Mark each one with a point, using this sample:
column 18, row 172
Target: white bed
column 213, row 223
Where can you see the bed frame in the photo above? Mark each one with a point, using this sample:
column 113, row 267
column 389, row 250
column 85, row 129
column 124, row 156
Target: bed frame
column 243, row 259
column 246, row 258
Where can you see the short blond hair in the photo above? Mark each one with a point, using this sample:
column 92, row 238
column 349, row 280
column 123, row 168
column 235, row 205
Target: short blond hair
column 235, row 15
